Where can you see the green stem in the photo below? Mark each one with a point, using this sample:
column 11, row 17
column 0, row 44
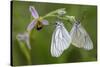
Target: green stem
column 25, row 51
column 71, row 18
column 53, row 12
column 63, row 18
column 66, row 17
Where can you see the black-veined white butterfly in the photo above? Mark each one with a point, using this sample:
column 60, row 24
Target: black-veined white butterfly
column 60, row 40
column 80, row 37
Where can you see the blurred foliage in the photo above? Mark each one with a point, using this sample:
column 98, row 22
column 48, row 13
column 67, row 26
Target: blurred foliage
column 41, row 40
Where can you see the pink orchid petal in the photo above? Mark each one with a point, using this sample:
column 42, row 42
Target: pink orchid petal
column 31, row 25
column 45, row 22
column 33, row 12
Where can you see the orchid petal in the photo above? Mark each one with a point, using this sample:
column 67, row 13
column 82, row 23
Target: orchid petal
column 33, row 12
column 31, row 25
column 24, row 37
column 45, row 22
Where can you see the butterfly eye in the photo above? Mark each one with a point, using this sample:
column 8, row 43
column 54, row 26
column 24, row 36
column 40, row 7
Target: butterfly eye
column 77, row 23
column 56, row 23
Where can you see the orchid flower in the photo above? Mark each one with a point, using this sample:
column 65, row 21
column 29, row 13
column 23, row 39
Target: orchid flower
column 37, row 22
column 24, row 37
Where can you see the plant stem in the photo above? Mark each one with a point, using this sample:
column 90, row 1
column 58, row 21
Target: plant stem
column 25, row 51
column 53, row 12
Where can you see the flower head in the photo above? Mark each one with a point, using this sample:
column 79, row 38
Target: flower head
column 61, row 12
column 24, row 37
column 37, row 22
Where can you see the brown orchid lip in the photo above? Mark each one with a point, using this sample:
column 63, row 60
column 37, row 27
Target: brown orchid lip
column 39, row 25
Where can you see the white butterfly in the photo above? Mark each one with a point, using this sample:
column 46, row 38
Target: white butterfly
column 60, row 40
column 80, row 37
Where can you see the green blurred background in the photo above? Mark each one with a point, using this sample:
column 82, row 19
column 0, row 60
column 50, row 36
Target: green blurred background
column 41, row 40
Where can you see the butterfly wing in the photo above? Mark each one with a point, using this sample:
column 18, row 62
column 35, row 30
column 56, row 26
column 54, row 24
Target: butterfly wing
column 87, row 43
column 60, row 41
column 55, row 52
column 80, row 37
column 76, row 36
column 66, row 37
